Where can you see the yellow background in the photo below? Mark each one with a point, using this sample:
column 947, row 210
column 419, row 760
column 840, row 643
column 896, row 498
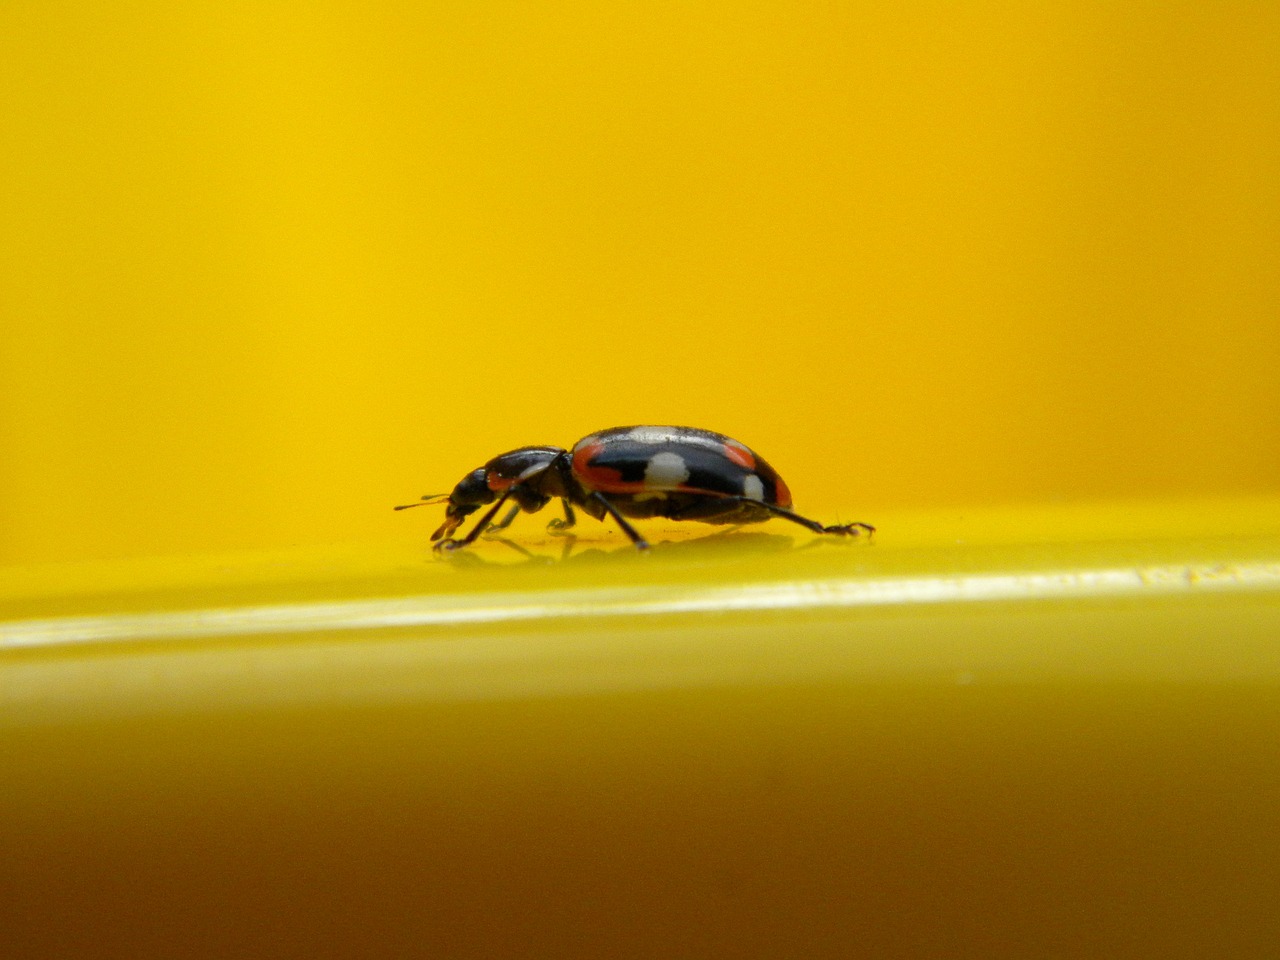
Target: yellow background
column 985, row 274
column 266, row 270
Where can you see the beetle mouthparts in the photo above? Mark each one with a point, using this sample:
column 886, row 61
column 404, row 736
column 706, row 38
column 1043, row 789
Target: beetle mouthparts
column 450, row 524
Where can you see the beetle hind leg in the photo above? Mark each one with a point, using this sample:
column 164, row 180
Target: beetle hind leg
column 640, row 542
column 841, row 529
column 851, row 529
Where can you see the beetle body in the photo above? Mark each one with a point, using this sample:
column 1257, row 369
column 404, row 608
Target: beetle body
column 680, row 473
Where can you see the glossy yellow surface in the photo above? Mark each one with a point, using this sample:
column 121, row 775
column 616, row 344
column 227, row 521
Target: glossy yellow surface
column 998, row 733
column 1001, row 280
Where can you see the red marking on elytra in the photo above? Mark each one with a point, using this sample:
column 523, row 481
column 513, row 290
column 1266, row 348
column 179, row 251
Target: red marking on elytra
column 740, row 455
column 608, row 480
column 782, row 496
column 604, row 479
column 582, row 457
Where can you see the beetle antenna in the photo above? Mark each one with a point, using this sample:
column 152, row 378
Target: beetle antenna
column 428, row 500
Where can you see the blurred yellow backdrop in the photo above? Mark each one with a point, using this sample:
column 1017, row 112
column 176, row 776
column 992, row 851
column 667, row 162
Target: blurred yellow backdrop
column 266, row 270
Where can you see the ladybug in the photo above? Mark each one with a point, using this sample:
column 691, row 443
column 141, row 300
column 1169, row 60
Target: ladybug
column 681, row 473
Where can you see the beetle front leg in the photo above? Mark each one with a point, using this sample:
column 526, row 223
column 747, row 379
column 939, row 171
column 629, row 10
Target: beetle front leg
column 450, row 544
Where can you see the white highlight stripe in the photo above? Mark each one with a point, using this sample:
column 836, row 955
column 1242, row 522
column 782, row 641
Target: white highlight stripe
column 640, row 601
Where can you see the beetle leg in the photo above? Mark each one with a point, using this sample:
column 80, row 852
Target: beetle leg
column 844, row 529
column 450, row 544
column 640, row 542
column 505, row 521
column 570, row 518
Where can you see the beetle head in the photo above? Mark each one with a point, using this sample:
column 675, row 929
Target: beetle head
column 471, row 493
column 524, row 475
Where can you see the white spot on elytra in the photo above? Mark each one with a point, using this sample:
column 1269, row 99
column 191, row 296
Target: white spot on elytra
column 666, row 470
column 752, row 488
